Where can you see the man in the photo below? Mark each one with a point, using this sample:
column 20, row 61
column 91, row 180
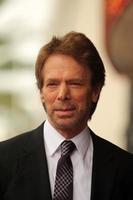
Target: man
column 63, row 159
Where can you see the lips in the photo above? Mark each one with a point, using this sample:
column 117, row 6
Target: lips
column 64, row 111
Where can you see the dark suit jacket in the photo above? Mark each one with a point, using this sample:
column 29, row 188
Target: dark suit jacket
column 24, row 171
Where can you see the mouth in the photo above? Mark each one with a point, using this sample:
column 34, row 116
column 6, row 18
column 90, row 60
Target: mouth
column 65, row 111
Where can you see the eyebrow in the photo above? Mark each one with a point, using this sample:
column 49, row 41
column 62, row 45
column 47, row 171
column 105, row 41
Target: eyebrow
column 76, row 80
column 69, row 80
column 52, row 80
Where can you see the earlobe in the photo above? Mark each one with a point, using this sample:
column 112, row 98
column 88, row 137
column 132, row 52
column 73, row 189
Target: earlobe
column 42, row 100
column 96, row 94
column 95, row 98
column 42, row 97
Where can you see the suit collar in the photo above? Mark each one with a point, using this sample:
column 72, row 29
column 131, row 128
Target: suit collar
column 103, row 171
column 32, row 169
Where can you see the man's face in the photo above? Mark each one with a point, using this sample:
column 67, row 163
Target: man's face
column 67, row 93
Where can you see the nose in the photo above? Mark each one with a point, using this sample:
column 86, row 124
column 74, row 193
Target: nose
column 64, row 93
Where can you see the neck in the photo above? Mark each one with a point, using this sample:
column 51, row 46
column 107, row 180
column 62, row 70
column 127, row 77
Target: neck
column 69, row 133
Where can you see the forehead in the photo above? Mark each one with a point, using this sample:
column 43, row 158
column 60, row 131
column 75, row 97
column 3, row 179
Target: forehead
column 59, row 65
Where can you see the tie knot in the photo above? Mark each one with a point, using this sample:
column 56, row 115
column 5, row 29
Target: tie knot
column 67, row 148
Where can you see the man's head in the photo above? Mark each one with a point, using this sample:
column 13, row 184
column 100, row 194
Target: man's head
column 63, row 61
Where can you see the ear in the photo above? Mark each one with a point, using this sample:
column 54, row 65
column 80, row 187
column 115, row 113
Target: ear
column 42, row 96
column 96, row 94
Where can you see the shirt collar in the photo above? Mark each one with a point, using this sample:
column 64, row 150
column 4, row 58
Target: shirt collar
column 82, row 141
column 53, row 139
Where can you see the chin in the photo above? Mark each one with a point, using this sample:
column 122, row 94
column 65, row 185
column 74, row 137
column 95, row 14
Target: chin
column 66, row 124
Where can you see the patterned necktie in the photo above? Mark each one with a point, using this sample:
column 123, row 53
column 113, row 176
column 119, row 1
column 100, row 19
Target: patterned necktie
column 64, row 175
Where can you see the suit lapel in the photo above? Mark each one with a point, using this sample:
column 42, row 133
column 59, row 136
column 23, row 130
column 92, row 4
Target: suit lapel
column 103, row 171
column 32, row 171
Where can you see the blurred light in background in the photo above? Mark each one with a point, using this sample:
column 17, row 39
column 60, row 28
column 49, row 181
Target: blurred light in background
column 119, row 33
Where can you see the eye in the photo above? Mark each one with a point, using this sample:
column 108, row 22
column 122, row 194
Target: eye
column 52, row 84
column 75, row 84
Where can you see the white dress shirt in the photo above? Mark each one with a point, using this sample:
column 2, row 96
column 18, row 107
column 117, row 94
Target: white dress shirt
column 81, row 159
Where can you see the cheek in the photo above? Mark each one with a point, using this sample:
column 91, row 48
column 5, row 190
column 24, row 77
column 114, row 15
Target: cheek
column 47, row 103
column 83, row 101
column 81, row 97
column 47, row 98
